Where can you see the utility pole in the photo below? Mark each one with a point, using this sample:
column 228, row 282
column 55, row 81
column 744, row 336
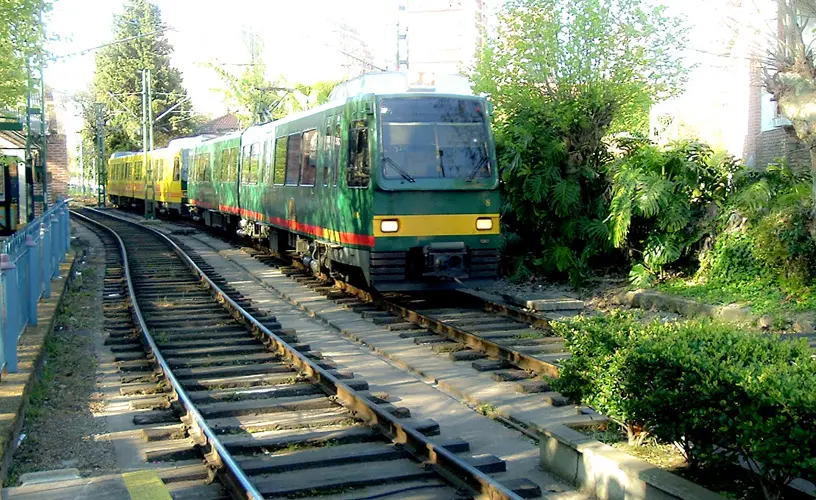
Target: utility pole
column 147, row 146
column 402, row 38
column 82, row 166
column 101, row 170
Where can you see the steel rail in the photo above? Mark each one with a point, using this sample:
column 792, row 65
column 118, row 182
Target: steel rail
column 523, row 361
column 247, row 489
column 444, row 462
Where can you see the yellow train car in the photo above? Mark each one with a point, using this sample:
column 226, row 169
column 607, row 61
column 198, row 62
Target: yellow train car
column 129, row 177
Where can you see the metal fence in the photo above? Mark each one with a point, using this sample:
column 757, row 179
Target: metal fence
column 29, row 260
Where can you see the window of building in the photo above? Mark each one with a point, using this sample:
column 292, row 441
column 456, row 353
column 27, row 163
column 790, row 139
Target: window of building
column 293, row 156
column 308, row 169
column 280, row 161
column 359, row 167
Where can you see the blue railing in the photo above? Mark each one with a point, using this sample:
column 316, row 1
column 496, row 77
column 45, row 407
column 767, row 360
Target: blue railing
column 29, row 260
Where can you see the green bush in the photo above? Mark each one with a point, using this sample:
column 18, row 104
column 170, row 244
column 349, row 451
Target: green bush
column 595, row 372
column 763, row 236
column 716, row 392
column 664, row 201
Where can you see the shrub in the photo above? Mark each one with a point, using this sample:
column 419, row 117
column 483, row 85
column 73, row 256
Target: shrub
column 664, row 202
column 595, row 372
column 764, row 234
column 716, row 392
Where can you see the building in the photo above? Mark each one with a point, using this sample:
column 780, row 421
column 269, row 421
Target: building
column 726, row 103
column 442, row 36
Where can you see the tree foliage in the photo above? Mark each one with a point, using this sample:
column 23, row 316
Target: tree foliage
column 140, row 32
column 566, row 74
column 21, row 39
column 259, row 100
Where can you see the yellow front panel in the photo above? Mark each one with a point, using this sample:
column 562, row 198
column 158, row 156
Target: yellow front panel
column 436, row 225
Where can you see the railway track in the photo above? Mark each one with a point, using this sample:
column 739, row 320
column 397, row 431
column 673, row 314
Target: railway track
column 269, row 417
column 513, row 344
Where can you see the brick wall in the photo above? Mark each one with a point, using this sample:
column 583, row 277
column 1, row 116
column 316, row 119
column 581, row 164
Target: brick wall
column 57, row 155
column 778, row 143
column 754, row 128
column 57, row 166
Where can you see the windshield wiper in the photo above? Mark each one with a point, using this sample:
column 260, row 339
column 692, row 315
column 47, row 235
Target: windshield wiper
column 478, row 167
column 405, row 175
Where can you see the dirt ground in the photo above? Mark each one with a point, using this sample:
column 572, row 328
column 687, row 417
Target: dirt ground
column 65, row 408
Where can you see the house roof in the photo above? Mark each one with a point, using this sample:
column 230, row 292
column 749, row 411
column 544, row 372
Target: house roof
column 221, row 125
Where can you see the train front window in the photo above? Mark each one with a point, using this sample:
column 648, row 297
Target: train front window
column 434, row 137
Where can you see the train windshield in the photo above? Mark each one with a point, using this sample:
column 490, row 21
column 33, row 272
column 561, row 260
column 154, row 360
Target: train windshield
column 434, row 137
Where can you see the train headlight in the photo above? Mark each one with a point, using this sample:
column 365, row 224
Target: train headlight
column 389, row 226
column 484, row 224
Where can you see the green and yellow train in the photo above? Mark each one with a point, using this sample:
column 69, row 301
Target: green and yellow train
column 393, row 180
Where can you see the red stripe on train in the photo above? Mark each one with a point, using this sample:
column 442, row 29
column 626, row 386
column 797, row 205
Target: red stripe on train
column 349, row 238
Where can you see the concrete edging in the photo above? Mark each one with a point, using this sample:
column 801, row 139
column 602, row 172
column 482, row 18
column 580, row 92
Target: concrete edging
column 31, row 369
column 651, row 299
column 610, row 474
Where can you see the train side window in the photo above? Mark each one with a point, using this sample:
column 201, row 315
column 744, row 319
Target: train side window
column 280, row 161
column 245, row 166
column 328, row 141
column 293, row 160
column 359, row 168
column 254, row 161
column 309, row 158
column 338, row 135
column 234, row 164
column 223, row 172
column 176, row 169
column 269, row 158
column 207, row 167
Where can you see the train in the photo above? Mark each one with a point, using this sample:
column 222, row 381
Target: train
column 393, row 182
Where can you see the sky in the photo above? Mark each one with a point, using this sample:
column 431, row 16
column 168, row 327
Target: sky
column 294, row 34
column 204, row 31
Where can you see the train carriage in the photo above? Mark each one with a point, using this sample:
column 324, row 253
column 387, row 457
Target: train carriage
column 391, row 180
column 166, row 172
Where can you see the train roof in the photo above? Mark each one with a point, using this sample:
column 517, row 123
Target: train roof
column 401, row 82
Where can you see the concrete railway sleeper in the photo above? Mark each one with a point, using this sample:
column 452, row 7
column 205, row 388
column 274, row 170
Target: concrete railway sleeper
column 511, row 343
column 272, row 418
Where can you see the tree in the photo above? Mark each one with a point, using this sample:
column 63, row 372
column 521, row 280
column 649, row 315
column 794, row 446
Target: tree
column 118, row 81
column 258, row 100
column 21, row 39
column 790, row 76
column 565, row 74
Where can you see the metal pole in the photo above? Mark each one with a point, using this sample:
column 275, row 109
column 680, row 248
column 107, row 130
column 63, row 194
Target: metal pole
column 152, row 212
column 150, row 106
column 44, row 152
column 82, row 167
column 101, row 171
column 144, row 133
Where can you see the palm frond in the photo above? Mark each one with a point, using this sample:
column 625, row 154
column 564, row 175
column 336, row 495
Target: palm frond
column 566, row 196
column 653, row 194
column 535, row 188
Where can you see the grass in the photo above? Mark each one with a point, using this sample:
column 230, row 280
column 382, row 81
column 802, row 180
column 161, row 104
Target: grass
column 763, row 296
column 486, row 409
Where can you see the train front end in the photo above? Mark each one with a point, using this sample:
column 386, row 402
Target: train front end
column 436, row 198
